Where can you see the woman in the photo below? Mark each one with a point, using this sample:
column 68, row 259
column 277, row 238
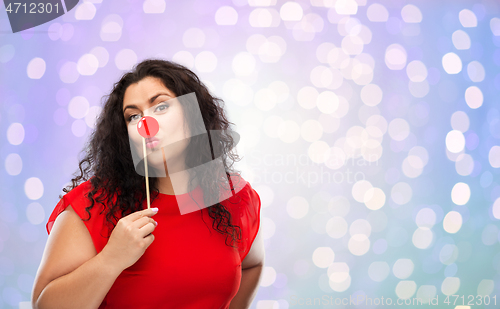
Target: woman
column 106, row 249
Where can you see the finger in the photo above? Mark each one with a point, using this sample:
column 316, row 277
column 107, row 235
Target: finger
column 142, row 213
column 139, row 223
column 149, row 239
column 147, row 229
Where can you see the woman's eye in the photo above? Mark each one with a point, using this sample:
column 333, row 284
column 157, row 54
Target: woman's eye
column 161, row 107
column 134, row 117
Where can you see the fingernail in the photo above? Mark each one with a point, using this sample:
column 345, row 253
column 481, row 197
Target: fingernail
column 154, row 209
column 156, row 223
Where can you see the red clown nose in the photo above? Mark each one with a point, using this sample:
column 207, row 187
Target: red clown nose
column 148, row 127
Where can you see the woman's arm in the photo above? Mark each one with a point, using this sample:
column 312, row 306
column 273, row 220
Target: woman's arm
column 71, row 274
column 248, row 288
column 252, row 267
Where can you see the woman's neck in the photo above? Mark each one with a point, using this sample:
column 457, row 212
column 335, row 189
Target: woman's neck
column 174, row 184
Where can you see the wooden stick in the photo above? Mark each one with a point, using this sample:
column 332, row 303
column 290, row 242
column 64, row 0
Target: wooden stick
column 146, row 169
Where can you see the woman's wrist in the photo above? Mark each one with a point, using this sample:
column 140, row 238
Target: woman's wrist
column 108, row 263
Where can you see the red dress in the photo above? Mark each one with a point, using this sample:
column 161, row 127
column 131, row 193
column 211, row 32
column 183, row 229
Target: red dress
column 188, row 265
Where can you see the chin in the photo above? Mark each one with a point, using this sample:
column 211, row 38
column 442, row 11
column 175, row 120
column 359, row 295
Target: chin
column 155, row 159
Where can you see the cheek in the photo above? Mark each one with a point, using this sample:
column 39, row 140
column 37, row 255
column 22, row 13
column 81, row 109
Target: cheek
column 180, row 132
column 170, row 126
column 134, row 137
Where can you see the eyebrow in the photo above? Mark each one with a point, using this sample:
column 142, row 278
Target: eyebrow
column 151, row 100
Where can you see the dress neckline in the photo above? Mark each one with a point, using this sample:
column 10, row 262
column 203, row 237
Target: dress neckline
column 184, row 194
column 168, row 204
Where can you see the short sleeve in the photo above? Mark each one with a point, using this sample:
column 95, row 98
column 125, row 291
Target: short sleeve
column 249, row 211
column 78, row 200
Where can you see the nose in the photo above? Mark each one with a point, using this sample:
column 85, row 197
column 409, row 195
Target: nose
column 148, row 127
column 147, row 112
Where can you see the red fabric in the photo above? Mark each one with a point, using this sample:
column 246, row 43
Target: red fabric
column 188, row 265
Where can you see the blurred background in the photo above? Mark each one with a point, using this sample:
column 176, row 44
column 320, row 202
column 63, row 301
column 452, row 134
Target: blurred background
column 370, row 130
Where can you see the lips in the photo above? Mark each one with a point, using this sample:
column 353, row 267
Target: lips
column 152, row 142
column 151, row 139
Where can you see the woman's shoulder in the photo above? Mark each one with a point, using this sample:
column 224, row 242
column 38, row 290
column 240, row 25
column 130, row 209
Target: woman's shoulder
column 245, row 205
column 92, row 217
column 244, row 200
column 77, row 198
column 80, row 190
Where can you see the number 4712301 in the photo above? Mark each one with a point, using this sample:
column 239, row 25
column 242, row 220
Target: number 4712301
column 470, row 300
column 42, row 8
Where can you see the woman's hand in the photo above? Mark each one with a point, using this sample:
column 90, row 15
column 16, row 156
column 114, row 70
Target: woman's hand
column 130, row 239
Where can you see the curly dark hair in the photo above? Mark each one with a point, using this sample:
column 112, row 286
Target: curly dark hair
column 109, row 165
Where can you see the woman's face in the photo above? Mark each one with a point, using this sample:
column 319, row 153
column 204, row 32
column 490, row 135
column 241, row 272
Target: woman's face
column 149, row 97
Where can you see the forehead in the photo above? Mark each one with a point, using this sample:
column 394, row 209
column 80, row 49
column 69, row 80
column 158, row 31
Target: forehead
column 142, row 91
